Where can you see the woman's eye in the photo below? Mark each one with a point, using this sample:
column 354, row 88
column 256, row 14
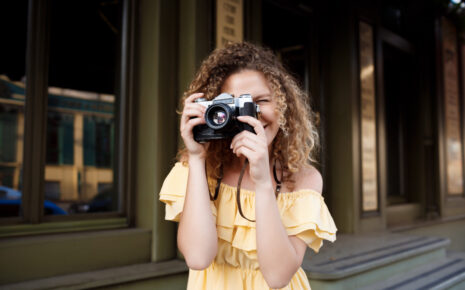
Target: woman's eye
column 262, row 101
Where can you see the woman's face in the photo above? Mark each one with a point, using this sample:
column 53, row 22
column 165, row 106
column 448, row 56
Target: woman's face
column 254, row 83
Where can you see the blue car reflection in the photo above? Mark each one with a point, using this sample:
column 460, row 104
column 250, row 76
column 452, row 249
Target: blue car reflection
column 10, row 204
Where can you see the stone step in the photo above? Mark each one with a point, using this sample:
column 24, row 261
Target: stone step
column 355, row 261
column 108, row 277
column 443, row 274
column 368, row 254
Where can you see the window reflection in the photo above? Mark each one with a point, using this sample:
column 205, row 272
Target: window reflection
column 11, row 132
column 80, row 151
column 13, row 30
column 60, row 138
column 84, row 57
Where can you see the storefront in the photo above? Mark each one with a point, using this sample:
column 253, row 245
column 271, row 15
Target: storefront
column 385, row 79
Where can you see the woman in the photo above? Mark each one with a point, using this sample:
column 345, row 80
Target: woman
column 248, row 207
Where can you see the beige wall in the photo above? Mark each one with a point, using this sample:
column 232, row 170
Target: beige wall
column 67, row 176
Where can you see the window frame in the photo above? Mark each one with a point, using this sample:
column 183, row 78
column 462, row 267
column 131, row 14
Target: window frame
column 34, row 150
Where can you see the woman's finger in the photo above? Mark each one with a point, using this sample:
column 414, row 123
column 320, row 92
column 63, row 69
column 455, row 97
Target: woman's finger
column 257, row 140
column 241, row 139
column 192, row 98
column 244, row 151
column 255, row 123
column 186, row 130
column 252, row 142
column 258, row 153
column 194, row 105
column 192, row 110
column 193, row 113
column 194, row 122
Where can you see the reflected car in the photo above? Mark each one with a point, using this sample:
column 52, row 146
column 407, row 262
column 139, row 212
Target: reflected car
column 9, row 193
column 10, row 204
column 102, row 202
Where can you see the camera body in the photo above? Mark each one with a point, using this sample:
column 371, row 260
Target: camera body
column 221, row 117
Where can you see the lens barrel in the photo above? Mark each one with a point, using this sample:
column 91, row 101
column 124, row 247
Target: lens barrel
column 218, row 116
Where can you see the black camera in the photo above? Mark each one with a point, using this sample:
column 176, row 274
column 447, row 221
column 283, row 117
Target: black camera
column 220, row 117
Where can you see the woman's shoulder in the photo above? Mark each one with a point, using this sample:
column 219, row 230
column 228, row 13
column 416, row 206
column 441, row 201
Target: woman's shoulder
column 176, row 179
column 308, row 177
column 179, row 167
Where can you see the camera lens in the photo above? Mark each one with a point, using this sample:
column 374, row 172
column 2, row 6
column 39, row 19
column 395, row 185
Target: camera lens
column 219, row 117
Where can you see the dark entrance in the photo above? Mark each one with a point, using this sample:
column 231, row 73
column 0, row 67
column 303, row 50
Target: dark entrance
column 289, row 28
column 400, row 106
column 403, row 130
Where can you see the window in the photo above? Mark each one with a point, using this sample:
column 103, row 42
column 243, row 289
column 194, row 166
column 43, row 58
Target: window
column 60, row 138
column 52, row 190
column 13, row 30
column 77, row 70
column 98, row 148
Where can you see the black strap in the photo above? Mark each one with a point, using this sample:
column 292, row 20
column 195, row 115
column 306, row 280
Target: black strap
column 238, row 193
column 278, row 181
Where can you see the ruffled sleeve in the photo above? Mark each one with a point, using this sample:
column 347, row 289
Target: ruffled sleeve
column 173, row 191
column 305, row 215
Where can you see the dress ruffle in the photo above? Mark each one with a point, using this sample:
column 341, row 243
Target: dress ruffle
column 173, row 191
column 303, row 213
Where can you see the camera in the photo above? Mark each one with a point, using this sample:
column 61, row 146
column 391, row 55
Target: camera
column 221, row 117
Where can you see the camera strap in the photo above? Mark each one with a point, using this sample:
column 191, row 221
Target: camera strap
column 278, row 181
column 238, row 192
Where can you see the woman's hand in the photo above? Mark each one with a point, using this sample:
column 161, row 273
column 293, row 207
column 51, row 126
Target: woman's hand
column 255, row 148
column 193, row 115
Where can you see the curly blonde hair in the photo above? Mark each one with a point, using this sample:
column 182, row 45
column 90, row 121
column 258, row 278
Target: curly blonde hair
column 295, row 144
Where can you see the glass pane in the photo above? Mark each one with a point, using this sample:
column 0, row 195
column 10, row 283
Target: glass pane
column 83, row 82
column 13, row 30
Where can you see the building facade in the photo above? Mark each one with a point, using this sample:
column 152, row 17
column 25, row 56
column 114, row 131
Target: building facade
column 88, row 125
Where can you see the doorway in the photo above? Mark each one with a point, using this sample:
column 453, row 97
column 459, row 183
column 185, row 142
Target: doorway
column 289, row 28
column 403, row 131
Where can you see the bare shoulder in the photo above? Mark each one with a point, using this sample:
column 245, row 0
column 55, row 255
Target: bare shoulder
column 309, row 178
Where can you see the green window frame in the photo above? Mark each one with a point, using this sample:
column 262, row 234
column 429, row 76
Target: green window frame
column 33, row 220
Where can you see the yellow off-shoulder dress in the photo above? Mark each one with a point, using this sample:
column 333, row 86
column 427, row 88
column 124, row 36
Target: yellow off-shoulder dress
column 303, row 213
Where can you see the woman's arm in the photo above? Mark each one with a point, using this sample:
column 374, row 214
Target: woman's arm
column 197, row 237
column 279, row 255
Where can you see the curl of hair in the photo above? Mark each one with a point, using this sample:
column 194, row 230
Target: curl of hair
column 296, row 143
